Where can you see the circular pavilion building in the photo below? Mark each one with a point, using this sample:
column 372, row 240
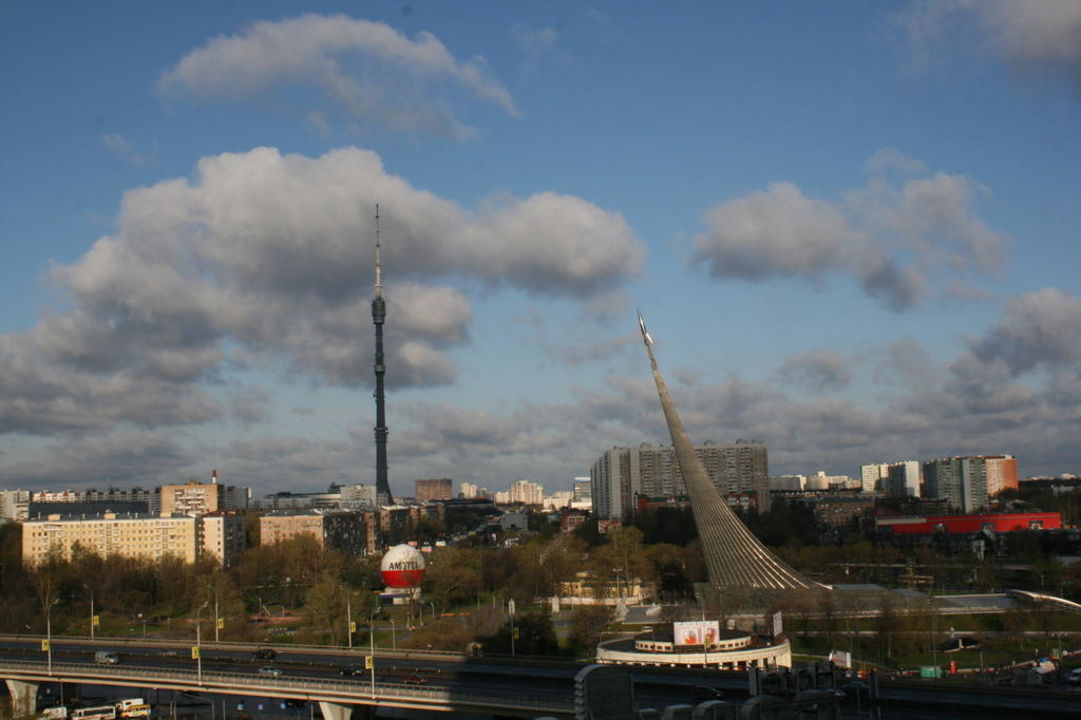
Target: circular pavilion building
column 695, row 644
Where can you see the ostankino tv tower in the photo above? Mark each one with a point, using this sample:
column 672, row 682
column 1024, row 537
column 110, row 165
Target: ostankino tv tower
column 379, row 316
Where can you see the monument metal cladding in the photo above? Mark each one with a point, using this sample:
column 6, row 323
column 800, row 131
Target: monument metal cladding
column 734, row 557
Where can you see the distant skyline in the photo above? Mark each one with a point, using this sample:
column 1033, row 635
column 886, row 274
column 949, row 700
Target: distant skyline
column 850, row 226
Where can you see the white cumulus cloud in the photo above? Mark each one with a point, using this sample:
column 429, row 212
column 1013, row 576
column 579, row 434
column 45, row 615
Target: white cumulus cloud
column 366, row 70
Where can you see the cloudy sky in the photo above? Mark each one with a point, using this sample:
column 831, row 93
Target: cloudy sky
column 851, row 226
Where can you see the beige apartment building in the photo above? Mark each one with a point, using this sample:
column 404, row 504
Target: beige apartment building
column 192, row 498
column 139, row 536
column 429, row 489
column 343, row 530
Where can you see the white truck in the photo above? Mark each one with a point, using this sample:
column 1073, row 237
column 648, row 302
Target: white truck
column 133, row 708
column 57, row 712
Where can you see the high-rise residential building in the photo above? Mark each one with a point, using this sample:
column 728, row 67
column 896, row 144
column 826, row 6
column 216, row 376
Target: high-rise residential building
column 1001, row 473
column 429, row 489
column 187, row 537
column 903, row 479
column 621, row 474
column 525, row 492
column 582, row 490
column 469, row 490
column 873, row 477
column 960, row 481
column 14, row 505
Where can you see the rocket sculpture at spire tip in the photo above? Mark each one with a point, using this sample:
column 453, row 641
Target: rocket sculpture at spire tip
column 642, row 327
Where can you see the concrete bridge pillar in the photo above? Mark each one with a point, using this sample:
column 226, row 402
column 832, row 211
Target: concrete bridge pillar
column 334, row 711
column 24, row 697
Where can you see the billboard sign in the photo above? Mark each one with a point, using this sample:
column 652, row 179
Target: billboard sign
column 695, row 632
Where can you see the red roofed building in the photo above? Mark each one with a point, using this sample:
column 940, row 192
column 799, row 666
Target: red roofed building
column 961, row 524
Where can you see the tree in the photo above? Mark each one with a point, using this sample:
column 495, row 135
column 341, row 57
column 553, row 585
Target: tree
column 624, row 555
column 325, row 610
column 535, row 635
column 453, row 575
column 587, row 625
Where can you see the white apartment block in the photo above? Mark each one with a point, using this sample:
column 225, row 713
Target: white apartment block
column 139, row 536
column 526, row 492
column 873, row 477
column 358, row 497
column 14, row 505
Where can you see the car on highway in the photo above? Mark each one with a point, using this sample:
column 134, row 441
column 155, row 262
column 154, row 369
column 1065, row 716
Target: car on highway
column 702, row 693
column 414, row 680
column 270, row 671
column 351, row 670
column 264, row 654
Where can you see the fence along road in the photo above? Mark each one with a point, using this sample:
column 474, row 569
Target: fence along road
column 298, row 687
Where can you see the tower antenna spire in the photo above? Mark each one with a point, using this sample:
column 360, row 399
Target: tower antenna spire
column 378, row 264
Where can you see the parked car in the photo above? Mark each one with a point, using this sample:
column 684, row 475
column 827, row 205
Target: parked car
column 270, row 671
column 414, row 680
column 264, row 654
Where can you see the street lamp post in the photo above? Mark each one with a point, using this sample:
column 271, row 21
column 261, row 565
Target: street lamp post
column 393, row 635
column 371, row 645
column 510, row 609
column 198, row 642
column 91, row 613
column 349, row 619
column 217, row 622
column 49, row 632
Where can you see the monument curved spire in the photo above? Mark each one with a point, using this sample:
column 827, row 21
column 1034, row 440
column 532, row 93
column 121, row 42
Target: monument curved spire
column 734, row 556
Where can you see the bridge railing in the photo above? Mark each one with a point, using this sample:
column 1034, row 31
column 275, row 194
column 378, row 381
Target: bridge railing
column 331, row 690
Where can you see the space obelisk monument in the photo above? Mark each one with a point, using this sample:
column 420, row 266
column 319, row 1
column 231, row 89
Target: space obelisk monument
column 735, row 558
column 379, row 316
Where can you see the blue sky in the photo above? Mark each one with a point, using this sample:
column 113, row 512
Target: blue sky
column 850, row 226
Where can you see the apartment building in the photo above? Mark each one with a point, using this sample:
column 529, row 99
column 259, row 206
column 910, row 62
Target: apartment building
column 148, row 537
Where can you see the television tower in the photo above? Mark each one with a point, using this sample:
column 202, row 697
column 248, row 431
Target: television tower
column 379, row 316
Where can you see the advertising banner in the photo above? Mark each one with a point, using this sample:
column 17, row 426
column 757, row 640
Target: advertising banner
column 695, row 632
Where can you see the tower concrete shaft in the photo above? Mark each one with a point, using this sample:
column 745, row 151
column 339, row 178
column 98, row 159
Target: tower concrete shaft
column 735, row 558
column 379, row 316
